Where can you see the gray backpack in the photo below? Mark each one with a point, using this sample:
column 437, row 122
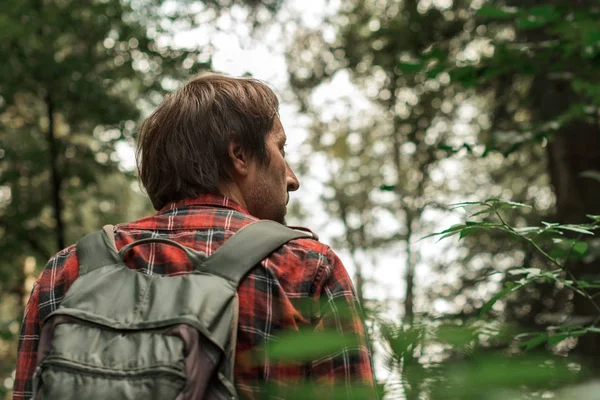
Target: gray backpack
column 121, row 334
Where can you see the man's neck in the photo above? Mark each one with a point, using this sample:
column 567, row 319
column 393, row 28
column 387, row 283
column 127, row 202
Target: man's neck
column 232, row 191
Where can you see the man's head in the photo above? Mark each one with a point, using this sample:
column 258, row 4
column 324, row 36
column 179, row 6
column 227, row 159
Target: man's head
column 217, row 135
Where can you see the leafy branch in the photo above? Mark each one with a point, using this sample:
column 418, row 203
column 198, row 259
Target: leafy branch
column 491, row 211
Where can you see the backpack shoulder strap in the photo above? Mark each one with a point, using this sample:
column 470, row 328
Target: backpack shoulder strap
column 97, row 250
column 247, row 247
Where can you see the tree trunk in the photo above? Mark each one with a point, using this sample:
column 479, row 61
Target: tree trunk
column 572, row 150
column 409, row 307
column 55, row 174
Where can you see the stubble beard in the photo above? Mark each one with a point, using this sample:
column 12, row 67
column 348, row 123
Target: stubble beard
column 265, row 203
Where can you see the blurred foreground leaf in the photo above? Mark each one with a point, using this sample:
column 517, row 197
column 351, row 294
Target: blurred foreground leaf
column 309, row 345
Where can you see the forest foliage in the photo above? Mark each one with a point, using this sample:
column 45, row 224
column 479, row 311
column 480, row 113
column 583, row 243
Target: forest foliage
column 483, row 113
column 489, row 107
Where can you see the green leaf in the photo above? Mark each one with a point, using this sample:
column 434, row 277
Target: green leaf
column 527, row 229
column 550, row 224
column 580, row 248
column 434, row 54
column 575, row 228
column 483, row 212
column 530, row 22
column 388, row 188
column 496, row 12
column 454, row 335
column 447, row 235
column 6, row 335
column 546, row 12
column 514, row 204
column 467, row 76
column 531, row 272
column 510, row 287
column 484, row 376
column 446, row 147
column 536, row 341
column 454, row 228
column 308, row 345
column 466, row 232
column 410, row 68
column 591, row 174
column 587, row 284
column 592, row 37
column 558, row 252
column 559, row 337
column 564, row 247
column 465, row 204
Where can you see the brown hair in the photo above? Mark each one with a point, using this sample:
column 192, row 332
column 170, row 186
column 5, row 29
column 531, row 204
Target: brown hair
column 182, row 148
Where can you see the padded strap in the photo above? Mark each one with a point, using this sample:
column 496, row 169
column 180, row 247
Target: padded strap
column 97, row 250
column 249, row 246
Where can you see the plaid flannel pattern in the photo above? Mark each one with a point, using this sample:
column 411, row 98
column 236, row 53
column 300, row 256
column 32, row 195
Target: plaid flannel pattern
column 271, row 298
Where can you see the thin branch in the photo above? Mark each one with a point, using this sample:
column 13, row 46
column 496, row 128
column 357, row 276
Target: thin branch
column 562, row 267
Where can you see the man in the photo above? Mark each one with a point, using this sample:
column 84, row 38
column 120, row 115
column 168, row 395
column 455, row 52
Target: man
column 212, row 160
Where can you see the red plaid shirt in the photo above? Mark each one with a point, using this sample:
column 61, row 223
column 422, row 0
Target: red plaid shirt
column 270, row 298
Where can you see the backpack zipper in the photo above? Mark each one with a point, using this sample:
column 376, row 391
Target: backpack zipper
column 64, row 364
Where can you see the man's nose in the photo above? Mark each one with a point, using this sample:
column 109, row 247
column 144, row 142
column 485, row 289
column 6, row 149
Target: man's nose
column 292, row 181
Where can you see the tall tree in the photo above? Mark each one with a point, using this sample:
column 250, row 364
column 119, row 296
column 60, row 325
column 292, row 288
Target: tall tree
column 555, row 54
column 72, row 82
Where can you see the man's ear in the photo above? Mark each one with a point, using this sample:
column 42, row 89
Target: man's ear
column 239, row 158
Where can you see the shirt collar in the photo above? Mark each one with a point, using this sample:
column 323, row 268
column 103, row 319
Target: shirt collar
column 204, row 200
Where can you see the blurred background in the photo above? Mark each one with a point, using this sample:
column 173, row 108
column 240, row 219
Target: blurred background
column 395, row 111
